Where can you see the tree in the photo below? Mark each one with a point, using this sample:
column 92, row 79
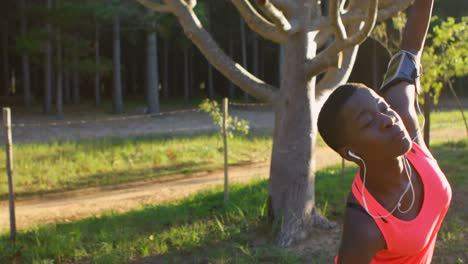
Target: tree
column 301, row 28
column 444, row 58
column 152, row 74
column 48, row 63
column 25, row 58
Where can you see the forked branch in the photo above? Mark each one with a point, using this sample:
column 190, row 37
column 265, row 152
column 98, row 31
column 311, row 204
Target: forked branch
column 328, row 57
column 258, row 23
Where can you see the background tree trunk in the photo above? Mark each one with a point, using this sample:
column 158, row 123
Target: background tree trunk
column 48, row 65
column 232, row 88
column 428, row 99
column 166, row 69
column 6, row 60
column 97, row 74
column 59, row 72
column 243, row 39
column 210, row 68
column 152, row 94
column 186, row 75
column 25, row 60
column 117, row 91
column 67, row 79
column 76, row 74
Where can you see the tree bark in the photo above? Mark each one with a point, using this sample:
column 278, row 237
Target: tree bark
column 59, row 71
column 67, row 79
column 48, row 66
column 25, row 60
column 75, row 74
column 232, row 89
column 186, row 76
column 210, row 68
column 166, row 69
column 243, row 40
column 152, row 93
column 292, row 166
column 117, row 89
column 97, row 74
column 428, row 99
column 6, row 59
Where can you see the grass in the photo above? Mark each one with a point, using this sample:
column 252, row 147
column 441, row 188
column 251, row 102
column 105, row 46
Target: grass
column 69, row 165
column 201, row 229
column 56, row 166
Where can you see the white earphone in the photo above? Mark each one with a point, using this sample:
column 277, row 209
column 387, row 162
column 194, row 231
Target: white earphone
column 398, row 205
column 351, row 154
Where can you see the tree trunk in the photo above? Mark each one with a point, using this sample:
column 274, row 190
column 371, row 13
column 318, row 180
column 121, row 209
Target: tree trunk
column 232, row 88
column 48, row 65
column 292, row 178
column 210, row 68
column 59, row 71
column 210, row 82
column 427, row 116
column 97, row 74
column 134, row 73
column 25, row 60
column 166, row 69
column 152, row 93
column 6, row 60
column 192, row 91
column 117, row 91
column 243, row 49
column 76, row 74
column 254, row 54
column 67, row 90
column 186, row 76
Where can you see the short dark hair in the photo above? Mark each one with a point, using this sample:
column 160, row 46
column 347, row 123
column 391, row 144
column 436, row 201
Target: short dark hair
column 330, row 121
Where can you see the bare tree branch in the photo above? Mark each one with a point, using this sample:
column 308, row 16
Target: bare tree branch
column 335, row 20
column 328, row 57
column 277, row 16
column 216, row 56
column 388, row 9
column 335, row 77
column 287, row 6
column 258, row 23
column 154, row 6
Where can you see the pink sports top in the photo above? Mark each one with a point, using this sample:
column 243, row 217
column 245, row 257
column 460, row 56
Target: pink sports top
column 413, row 241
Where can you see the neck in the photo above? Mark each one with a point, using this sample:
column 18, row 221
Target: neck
column 385, row 176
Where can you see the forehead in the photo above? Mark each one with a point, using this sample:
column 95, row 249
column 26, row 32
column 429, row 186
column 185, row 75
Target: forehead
column 360, row 99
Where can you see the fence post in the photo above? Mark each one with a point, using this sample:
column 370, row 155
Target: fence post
column 9, row 169
column 225, row 125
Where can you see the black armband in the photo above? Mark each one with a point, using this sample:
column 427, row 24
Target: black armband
column 402, row 67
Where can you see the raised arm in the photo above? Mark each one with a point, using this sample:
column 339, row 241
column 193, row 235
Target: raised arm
column 401, row 96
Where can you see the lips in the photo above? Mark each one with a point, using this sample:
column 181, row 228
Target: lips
column 398, row 134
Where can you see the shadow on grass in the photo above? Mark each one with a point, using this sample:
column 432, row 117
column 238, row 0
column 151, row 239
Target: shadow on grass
column 109, row 179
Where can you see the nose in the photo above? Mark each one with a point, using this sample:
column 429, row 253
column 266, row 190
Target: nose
column 388, row 120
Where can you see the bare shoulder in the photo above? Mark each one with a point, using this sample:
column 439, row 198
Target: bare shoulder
column 361, row 238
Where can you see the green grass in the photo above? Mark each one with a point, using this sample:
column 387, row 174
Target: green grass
column 56, row 166
column 201, row 229
column 447, row 119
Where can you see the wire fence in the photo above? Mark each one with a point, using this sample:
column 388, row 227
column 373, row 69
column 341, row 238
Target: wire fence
column 125, row 117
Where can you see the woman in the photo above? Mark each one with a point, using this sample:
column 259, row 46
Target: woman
column 399, row 196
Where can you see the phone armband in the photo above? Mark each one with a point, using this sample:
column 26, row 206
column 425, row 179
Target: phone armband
column 402, row 67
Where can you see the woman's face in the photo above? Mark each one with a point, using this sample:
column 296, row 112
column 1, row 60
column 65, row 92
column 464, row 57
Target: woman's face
column 373, row 130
